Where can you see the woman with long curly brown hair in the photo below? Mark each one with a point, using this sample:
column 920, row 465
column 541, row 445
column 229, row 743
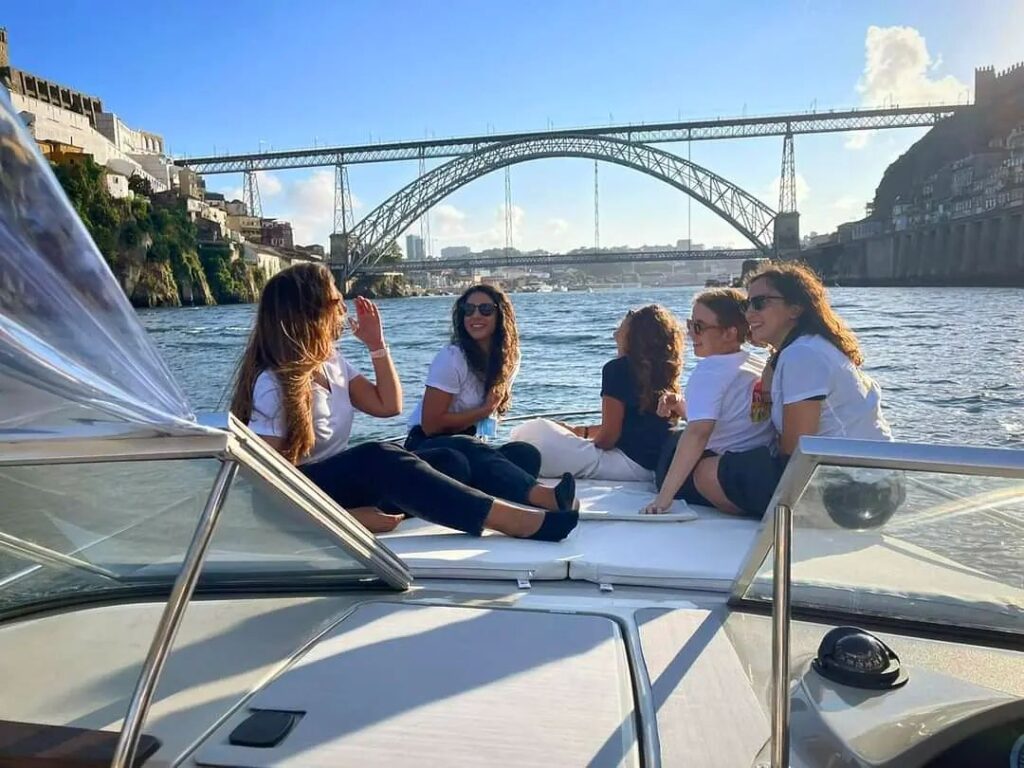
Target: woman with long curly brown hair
column 719, row 404
column 812, row 385
column 469, row 383
column 297, row 392
column 628, row 441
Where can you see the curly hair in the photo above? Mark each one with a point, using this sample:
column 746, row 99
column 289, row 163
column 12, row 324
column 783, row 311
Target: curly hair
column 800, row 286
column 297, row 323
column 496, row 366
column 654, row 348
column 727, row 304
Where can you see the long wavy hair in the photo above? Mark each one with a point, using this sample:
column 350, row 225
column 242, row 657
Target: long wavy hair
column 496, row 366
column 297, row 323
column 727, row 304
column 654, row 348
column 799, row 286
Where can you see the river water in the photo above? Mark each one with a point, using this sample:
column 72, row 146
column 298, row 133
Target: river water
column 950, row 361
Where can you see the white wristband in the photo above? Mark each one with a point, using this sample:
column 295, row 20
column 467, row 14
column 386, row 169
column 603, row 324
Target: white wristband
column 377, row 354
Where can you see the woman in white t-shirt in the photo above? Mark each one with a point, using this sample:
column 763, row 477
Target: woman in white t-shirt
column 296, row 391
column 468, row 385
column 718, row 403
column 812, row 385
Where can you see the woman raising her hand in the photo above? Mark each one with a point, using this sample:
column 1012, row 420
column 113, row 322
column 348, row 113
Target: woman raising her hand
column 297, row 392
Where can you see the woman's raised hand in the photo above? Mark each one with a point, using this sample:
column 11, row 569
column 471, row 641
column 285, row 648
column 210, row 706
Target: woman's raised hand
column 369, row 327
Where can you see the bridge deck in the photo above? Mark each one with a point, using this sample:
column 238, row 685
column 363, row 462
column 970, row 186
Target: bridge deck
column 654, row 133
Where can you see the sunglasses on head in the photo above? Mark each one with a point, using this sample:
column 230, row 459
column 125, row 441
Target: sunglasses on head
column 487, row 308
column 757, row 303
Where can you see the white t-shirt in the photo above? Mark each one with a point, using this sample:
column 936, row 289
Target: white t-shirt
column 449, row 372
column 813, row 367
column 332, row 409
column 721, row 388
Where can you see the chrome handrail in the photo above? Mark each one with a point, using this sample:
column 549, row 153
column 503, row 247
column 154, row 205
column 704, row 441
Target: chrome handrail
column 170, row 619
column 780, row 637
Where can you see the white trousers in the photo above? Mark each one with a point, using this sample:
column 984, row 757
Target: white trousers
column 562, row 451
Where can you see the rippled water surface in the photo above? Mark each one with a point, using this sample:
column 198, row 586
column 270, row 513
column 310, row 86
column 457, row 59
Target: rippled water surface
column 950, row 361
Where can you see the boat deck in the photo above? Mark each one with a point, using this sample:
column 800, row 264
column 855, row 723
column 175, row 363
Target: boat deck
column 692, row 547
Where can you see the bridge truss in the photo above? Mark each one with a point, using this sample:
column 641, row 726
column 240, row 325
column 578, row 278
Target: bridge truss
column 653, row 133
column 561, row 260
column 367, row 240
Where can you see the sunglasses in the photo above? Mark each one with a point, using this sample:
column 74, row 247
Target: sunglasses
column 757, row 303
column 697, row 327
column 486, row 308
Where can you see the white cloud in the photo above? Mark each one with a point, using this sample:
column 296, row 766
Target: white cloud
column 557, row 226
column 898, row 70
column 447, row 212
column 858, row 139
column 307, row 202
column 269, row 185
column 803, row 190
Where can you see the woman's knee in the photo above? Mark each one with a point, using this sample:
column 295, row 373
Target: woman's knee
column 448, row 462
column 524, row 455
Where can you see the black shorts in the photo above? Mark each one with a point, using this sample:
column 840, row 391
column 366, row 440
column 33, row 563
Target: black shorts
column 688, row 492
column 748, row 478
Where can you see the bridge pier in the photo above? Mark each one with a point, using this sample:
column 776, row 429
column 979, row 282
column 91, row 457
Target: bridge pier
column 787, row 234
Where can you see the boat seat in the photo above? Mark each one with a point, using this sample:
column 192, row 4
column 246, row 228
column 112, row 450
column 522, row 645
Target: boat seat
column 433, row 551
column 697, row 548
column 706, row 553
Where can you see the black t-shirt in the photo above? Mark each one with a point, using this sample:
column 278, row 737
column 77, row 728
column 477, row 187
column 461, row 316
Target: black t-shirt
column 643, row 433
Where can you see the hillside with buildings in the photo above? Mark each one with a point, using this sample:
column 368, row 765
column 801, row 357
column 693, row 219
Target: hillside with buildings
column 167, row 239
column 950, row 210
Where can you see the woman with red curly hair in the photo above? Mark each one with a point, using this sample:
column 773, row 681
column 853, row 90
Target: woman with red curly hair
column 628, row 441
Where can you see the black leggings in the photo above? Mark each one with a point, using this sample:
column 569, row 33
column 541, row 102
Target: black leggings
column 508, row 471
column 382, row 474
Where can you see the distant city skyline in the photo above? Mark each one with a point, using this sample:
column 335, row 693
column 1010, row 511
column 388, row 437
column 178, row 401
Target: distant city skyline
column 559, row 69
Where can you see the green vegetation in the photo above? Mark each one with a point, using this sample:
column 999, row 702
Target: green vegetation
column 152, row 248
column 232, row 282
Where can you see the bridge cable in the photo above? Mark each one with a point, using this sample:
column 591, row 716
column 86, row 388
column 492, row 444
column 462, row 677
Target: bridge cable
column 508, row 212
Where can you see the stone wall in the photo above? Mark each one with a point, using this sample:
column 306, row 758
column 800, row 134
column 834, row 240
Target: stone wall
column 983, row 250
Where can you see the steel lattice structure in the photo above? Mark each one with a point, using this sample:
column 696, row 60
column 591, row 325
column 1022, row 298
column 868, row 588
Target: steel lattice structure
column 655, row 133
column 564, row 260
column 745, row 212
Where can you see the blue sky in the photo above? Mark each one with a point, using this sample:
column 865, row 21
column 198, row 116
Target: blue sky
column 237, row 76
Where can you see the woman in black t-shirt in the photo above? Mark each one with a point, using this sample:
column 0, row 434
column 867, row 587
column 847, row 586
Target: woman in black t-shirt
column 627, row 443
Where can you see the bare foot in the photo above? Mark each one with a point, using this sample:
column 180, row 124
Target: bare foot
column 374, row 520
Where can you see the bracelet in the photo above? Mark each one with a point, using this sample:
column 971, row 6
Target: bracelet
column 586, row 432
column 377, row 354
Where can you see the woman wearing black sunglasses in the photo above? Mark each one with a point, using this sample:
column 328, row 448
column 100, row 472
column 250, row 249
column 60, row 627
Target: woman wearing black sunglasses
column 722, row 405
column 469, row 383
column 812, row 385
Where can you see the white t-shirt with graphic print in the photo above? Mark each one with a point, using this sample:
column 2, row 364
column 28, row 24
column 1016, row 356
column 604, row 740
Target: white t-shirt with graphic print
column 331, row 408
column 813, row 367
column 721, row 388
column 449, row 372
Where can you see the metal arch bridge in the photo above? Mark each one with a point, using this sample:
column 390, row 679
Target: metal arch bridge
column 366, row 241
column 796, row 123
column 562, row 260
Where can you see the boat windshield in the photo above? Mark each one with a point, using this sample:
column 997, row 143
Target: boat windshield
column 930, row 534
column 105, row 526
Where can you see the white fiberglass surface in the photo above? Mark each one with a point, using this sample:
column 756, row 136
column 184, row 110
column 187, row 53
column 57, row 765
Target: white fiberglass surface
column 939, row 545
column 74, row 358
